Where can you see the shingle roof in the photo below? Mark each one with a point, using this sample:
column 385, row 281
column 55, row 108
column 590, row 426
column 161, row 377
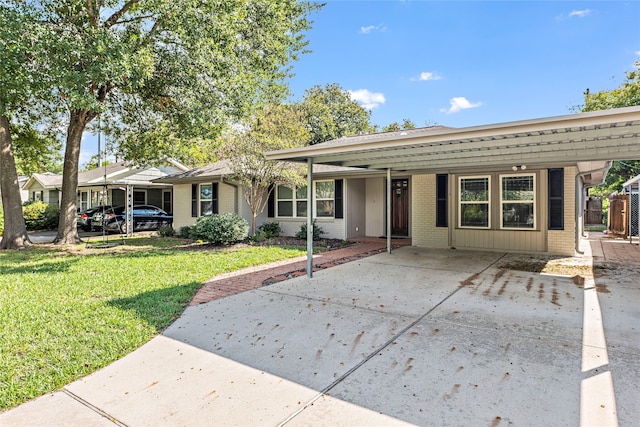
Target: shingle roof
column 222, row 168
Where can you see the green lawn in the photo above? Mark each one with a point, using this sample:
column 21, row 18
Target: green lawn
column 66, row 312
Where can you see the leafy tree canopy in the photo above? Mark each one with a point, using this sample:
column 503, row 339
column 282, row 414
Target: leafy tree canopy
column 626, row 95
column 395, row 126
column 331, row 113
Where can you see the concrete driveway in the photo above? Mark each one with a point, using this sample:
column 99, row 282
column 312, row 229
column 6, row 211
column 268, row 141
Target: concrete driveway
column 426, row 337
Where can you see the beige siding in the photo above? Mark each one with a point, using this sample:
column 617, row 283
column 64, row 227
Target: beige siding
column 423, row 214
column 355, row 207
column 375, row 206
column 562, row 242
column 182, row 206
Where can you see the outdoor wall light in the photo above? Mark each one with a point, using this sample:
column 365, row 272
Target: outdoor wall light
column 515, row 168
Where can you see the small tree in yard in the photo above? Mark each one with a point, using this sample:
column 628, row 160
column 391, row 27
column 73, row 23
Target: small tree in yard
column 277, row 127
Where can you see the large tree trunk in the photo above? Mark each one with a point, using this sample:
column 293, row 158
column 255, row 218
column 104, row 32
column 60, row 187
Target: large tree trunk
column 67, row 226
column 15, row 232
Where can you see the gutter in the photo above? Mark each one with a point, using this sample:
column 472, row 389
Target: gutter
column 578, row 198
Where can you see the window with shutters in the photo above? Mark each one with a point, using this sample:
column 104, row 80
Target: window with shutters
column 518, row 202
column 204, row 199
column 293, row 202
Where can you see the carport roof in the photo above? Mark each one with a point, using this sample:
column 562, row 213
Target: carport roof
column 554, row 141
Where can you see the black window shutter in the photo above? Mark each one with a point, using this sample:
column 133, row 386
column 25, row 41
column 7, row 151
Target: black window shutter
column 194, row 200
column 556, row 199
column 214, row 197
column 271, row 203
column 442, row 191
column 339, row 198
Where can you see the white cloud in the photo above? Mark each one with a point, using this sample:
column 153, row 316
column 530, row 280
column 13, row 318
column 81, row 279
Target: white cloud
column 580, row 13
column 370, row 28
column 458, row 104
column 426, row 76
column 367, row 99
column 637, row 52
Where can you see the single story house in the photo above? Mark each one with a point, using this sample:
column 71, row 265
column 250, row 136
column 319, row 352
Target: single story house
column 108, row 185
column 517, row 186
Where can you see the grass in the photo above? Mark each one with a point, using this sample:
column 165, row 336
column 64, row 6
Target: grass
column 66, row 312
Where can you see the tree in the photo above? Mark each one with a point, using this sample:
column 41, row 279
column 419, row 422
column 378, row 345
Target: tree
column 36, row 151
column 19, row 50
column 172, row 70
column 395, row 126
column 277, row 127
column 627, row 95
column 331, row 113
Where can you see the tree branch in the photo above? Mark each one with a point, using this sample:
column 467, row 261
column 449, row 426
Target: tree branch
column 92, row 14
column 113, row 19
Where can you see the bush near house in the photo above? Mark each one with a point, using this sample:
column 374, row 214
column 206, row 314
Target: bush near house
column 317, row 231
column 270, row 229
column 218, row 229
column 40, row 216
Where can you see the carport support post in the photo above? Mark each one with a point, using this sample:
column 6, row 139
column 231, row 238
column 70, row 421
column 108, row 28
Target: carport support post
column 309, row 217
column 389, row 210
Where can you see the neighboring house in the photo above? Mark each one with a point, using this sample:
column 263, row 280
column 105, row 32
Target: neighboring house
column 108, row 185
column 516, row 186
column 339, row 207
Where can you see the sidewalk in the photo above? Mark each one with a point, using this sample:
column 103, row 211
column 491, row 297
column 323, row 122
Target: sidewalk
column 263, row 275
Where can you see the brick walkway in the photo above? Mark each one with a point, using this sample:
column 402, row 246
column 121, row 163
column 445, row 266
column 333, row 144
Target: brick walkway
column 254, row 277
column 608, row 249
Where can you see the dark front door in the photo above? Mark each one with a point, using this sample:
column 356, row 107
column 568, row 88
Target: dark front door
column 400, row 207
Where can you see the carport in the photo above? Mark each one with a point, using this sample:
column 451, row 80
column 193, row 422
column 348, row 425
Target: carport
column 587, row 141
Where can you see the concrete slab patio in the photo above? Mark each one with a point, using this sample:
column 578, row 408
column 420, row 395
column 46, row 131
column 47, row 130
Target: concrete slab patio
column 424, row 337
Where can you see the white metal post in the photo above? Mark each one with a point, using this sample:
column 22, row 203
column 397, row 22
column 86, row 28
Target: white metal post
column 389, row 210
column 309, row 217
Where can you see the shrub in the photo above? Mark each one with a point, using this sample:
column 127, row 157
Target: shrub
column 184, row 231
column 40, row 216
column 317, row 231
column 269, row 229
column 166, row 231
column 224, row 228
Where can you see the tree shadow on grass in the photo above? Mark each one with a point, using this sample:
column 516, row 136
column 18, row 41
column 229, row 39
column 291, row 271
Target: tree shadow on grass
column 45, row 266
column 160, row 307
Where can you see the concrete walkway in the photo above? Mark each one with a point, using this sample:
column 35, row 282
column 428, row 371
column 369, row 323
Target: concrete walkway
column 424, row 337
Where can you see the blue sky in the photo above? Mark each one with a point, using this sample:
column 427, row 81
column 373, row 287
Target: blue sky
column 466, row 63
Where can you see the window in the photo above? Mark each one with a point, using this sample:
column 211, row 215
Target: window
column 206, row 199
column 517, row 201
column 474, row 202
column 290, row 203
column 325, row 197
column 83, row 198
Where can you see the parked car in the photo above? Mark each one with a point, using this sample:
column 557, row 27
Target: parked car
column 85, row 217
column 145, row 217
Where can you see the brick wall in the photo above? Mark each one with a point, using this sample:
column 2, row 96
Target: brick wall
column 423, row 215
column 562, row 242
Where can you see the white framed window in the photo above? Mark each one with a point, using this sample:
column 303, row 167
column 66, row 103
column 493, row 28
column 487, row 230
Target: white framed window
column 325, row 196
column 292, row 203
column 206, row 199
column 474, row 202
column 83, row 200
column 518, row 202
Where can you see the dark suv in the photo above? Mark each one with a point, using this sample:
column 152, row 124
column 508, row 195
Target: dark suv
column 145, row 217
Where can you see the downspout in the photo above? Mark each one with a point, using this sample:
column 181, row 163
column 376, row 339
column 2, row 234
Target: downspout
column 579, row 194
column 235, row 193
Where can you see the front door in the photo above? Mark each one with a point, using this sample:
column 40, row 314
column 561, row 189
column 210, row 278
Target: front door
column 400, row 207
